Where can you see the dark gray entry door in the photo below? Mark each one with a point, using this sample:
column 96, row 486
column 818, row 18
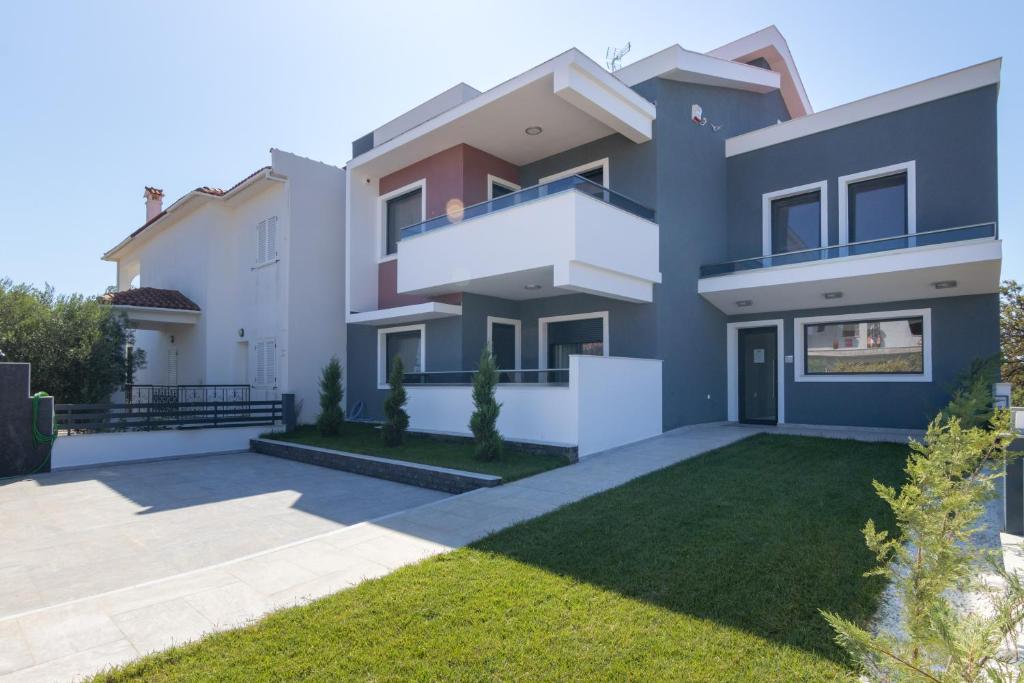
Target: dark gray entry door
column 503, row 345
column 758, row 365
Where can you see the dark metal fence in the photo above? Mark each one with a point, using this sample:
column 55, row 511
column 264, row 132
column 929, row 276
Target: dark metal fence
column 185, row 393
column 113, row 417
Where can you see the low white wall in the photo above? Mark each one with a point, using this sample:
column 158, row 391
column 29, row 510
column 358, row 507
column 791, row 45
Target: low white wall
column 528, row 413
column 609, row 402
column 95, row 449
column 619, row 400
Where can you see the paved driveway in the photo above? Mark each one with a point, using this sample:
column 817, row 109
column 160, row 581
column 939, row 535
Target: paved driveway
column 69, row 535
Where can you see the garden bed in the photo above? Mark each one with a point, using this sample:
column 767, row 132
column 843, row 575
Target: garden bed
column 517, row 461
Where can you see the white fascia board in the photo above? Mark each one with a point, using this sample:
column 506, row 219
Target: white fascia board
column 769, row 37
column 169, row 212
column 452, row 97
column 594, row 91
column 406, row 314
column 946, row 85
column 878, row 263
column 676, row 63
column 158, row 315
column 548, row 68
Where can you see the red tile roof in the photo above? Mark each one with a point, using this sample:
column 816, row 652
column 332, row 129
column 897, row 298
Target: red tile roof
column 212, row 191
column 151, row 297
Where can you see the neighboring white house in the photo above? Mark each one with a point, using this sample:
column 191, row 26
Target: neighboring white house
column 244, row 286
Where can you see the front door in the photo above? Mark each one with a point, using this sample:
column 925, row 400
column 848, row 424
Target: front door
column 758, row 365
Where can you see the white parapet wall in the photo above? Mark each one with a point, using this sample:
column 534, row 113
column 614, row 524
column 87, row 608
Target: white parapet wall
column 608, row 402
column 80, row 450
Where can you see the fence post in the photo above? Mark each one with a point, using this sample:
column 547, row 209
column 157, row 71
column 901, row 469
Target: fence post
column 288, row 411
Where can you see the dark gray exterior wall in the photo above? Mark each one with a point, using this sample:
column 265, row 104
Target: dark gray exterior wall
column 953, row 141
column 963, row 328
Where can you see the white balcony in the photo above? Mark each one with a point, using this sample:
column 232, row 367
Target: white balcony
column 566, row 236
column 925, row 265
column 588, row 411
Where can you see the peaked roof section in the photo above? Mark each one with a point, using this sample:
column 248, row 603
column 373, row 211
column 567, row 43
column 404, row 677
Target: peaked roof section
column 729, row 66
column 181, row 201
column 770, row 45
column 151, row 297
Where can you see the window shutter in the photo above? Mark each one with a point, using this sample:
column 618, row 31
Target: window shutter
column 266, row 357
column 261, row 242
column 261, row 368
column 270, row 350
column 271, row 238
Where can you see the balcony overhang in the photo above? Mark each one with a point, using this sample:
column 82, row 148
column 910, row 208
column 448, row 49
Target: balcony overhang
column 413, row 313
column 571, row 98
column 899, row 275
column 154, row 318
column 559, row 244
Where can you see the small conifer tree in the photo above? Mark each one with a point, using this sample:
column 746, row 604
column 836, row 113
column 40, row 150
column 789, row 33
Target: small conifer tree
column 396, row 420
column 484, row 421
column 331, row 418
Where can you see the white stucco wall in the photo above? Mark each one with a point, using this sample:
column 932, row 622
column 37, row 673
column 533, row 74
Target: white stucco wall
column 609, row 402
column 208, row 252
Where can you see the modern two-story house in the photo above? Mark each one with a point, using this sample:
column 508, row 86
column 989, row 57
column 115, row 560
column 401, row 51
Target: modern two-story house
column 683, row 240
column 238, row 293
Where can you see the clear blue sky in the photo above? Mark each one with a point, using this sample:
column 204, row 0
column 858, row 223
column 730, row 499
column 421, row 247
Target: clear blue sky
column 98, row 99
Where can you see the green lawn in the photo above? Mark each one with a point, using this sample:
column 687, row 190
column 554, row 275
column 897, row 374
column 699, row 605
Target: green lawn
column 360, row 437
column 710, row 570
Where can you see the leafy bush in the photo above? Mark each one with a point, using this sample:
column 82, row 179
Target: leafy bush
column 484, row 421
column 331, row 418
column 76, row 344
column 950, row 477
column 396, row 420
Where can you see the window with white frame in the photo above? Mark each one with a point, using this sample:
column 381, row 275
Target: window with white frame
column 883, row 346
column 504, row 337
column 878, row 204
column 266, row 240
column 561, row 336
column 401, row 211
column 795, row 219
column 594, row 171
column 266, row 363
column 406, row 343
column 499, row 187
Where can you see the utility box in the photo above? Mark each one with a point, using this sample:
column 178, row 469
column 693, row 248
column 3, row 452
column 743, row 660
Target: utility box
column 20, row 451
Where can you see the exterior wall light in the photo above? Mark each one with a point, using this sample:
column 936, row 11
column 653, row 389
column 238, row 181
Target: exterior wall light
column 743, row 303
column 944, row 284
column 534, row 130
column 531, row 287
column 241, row 331
column 833, row 295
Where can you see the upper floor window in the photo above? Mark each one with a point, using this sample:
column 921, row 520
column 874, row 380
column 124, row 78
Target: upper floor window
column 266, row 240
column 595, row 171
column 794, row 219
column 878, row 207
column 878, row 204
column 796, row 222
column 401, row 212
column 497, row 187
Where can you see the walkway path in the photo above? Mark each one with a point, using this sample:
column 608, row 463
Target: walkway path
column 81, row 637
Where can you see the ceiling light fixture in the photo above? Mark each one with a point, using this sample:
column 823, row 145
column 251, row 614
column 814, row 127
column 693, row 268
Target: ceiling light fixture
column 743, row 303
column 531, row 287
column 833, row 295
column 534, row 130
column 944, row 284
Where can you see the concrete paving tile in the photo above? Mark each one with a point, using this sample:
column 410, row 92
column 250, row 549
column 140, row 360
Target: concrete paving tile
column 162, row 591
column 233, row 605
column 268, row 574
column 162, row 625
column 14, row 653
column 76, row 666
column 395, row 550
column 65, row 630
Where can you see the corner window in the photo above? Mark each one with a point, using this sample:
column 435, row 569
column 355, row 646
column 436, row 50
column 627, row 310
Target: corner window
column 865, row 346
column 878, row 208
column 406, row 343
column 401, row 212
column 796, row 222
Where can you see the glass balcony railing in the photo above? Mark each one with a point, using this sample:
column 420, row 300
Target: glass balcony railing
column 529, row 194
column 920, row 239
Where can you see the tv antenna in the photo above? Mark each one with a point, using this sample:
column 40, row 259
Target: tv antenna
column 613, row 56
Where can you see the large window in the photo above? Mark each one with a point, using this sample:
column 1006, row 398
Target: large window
column 401, row 212
column 867, row 346
column 406, row 343
column 878, row 207
column 573, row 335
column 796, row 222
